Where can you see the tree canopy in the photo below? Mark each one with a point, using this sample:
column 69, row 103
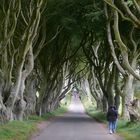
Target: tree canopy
column 47, row 47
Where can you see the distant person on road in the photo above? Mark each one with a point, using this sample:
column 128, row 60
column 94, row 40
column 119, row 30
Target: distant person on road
column 112, row 116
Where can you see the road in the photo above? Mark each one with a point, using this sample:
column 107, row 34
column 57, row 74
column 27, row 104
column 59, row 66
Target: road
column 75, row 125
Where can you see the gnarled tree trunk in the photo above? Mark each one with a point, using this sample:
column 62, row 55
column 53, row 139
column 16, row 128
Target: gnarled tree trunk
column 127, row 97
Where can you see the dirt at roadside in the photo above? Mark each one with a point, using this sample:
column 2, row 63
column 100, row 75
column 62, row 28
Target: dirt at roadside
column 40, row 127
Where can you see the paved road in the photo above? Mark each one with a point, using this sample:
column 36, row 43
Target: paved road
column 75, row 125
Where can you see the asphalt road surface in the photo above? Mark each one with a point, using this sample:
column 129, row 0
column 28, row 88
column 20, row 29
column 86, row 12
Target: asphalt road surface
column 75, row 125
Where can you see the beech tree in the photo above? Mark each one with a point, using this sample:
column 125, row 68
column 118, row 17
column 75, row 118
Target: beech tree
column 127, row 41
column 46, row 47
column 18, row 32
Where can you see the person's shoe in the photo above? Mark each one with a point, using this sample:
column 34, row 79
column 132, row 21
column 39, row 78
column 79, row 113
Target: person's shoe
column 113, row 131
column 110, row 131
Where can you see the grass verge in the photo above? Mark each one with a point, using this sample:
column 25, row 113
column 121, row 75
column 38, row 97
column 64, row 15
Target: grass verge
column 17, row 130
column 129, row 131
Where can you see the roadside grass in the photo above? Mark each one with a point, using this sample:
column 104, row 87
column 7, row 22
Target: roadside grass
column 17, row 130
column 21, row 130
column 129, row 131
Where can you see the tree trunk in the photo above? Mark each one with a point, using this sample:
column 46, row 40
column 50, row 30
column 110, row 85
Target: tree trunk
column 4, row 117
column 105, row 104
column 128, row 93
column 19, row 109
column 14, row 92
column 117, row 100
column 86, row 88
column 30, row 95
column 99, row 105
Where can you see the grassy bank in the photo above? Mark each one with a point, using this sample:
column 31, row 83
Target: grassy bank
column 17, row 130
column 130, row 131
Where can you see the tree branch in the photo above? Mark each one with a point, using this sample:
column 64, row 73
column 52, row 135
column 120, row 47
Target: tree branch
column 109, row 36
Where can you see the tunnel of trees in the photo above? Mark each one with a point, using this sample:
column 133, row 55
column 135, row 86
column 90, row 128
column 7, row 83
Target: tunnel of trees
column 46, row 46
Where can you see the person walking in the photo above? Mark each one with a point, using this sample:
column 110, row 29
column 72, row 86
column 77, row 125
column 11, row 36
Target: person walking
column 112, row 116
